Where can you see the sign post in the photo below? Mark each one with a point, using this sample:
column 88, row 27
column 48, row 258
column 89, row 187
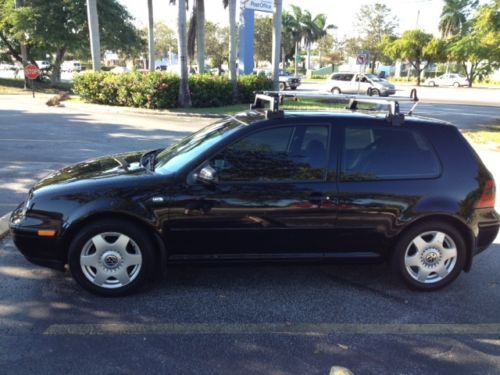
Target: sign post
column 31, row 72
column 361, row 60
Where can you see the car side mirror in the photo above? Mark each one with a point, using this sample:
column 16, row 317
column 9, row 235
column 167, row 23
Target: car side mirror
column 208, row 176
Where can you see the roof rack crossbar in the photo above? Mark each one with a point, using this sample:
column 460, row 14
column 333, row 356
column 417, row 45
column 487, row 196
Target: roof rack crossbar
column 275, row 98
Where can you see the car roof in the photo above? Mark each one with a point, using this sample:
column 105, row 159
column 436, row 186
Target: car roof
column 254, row 116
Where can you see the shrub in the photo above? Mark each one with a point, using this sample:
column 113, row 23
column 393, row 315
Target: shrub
column 250, row 83
column 159, row 90
column 209, row 91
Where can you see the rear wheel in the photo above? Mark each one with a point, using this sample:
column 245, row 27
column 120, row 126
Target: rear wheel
column 456, row 84
column 336, row 90
column 430, row 255
column 111, row 258
column 432, row 83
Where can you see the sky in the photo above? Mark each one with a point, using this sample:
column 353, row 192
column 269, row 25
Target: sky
column 341, row 13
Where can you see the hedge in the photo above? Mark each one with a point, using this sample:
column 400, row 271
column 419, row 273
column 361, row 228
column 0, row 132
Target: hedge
column 160, row 90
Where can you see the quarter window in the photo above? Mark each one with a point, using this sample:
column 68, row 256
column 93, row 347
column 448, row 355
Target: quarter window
column 387, row 154
column 288, row 153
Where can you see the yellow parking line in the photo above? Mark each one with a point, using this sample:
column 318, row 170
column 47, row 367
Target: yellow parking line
column 300, row 329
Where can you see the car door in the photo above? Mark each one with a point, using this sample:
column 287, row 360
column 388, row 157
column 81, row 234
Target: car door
column 273, row 198
column 384, row 172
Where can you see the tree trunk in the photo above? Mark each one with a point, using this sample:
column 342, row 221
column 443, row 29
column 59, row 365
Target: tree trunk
column 56, row 69
column 296, row 56
column 232, row 47
column 419, row 71
column 200, row 35
column 151, row 37
column 276, row 43
column 308, row 65
column 184, row 95
column 95, row 43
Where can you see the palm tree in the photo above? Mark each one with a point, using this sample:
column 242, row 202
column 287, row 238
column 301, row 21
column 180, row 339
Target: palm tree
column 233, row 31
column 184, row 96
column 314, row 29
column 293, row 21
column 454, row 17
column 196, row 34
column 151, row 38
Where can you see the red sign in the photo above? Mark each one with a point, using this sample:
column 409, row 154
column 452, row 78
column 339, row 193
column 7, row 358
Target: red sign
column 31, row 71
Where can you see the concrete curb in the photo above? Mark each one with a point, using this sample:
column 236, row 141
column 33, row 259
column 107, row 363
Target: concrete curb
column 4, row 225
column 140, row 111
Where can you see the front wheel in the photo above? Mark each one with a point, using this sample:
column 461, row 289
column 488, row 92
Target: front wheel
column 336, row 91
column 282, row 86
column 111, row 258
column 432, row 84
column 456, row 84
column 429, row 256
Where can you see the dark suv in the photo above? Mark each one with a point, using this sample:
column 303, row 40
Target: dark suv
column 286, row 186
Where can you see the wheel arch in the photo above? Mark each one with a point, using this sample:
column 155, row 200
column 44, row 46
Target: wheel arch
column 458, row 224
column 159, row 246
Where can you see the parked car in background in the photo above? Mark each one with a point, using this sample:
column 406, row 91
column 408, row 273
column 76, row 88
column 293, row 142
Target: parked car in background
column 43, row 64
column 120, row 69
column 350, row 83
column 450, row 79
column 71, row 66
column 287, row 80
column 7, row 66
column 161, row 68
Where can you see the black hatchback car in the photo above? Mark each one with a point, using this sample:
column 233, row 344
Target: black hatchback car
column 293, row 186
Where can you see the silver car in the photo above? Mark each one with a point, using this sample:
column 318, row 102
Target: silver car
column 354, row 83
column 450, row 79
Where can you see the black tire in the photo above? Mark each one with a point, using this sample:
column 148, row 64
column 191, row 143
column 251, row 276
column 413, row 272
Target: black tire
column 432, row 84
column 373, row 92
column 282, row 86
column 456, row 84
column 294, row 87
column 138, row 243
column 405, row 242
column 336, row 91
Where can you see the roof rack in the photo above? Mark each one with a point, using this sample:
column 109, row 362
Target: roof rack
column 271, row 100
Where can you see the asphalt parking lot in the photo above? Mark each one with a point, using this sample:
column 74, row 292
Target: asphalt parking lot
column 252, row 319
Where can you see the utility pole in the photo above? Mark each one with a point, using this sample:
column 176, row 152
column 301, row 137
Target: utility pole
column 95, row 45
column 22, row 43
column 278, row 6
column 418, row 16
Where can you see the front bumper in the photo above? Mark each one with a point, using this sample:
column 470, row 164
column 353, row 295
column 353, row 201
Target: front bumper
column 43, row 251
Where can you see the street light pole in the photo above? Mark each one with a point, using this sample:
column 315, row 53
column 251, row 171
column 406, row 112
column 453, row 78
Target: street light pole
column 278, row 6
column 95, row 45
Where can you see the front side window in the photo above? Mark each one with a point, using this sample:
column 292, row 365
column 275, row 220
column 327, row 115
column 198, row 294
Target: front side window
column 288, row 153
column 379, row 153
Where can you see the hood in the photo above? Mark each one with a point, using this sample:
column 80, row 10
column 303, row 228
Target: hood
column 104, row 168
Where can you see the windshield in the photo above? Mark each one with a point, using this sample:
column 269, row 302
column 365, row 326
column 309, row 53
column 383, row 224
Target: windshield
column 373, row 78
column 175, row 157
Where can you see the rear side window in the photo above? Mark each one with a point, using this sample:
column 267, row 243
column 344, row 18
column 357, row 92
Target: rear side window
column 373, row 153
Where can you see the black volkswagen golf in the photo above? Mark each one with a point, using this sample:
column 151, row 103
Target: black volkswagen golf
column 294, row 186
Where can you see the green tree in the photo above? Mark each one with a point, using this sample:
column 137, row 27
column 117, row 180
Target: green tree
column 60, row 26
column 262, row 35
column 479, row 51
column 453, row 18
column 417, row 48
column 165, row 40
column 373, row 23
column 217, row 44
